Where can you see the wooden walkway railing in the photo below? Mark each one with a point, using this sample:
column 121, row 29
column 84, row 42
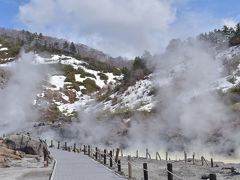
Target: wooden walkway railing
column 115, row 162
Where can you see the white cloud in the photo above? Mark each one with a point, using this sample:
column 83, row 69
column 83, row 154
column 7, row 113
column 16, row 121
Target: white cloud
column 116, row 26
column 230, row 22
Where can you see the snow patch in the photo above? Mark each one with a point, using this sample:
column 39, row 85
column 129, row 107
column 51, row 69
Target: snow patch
column 57, row 81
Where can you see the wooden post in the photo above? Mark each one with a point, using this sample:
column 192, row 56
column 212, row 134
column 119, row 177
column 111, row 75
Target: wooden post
column 170, row 170
column 110, row 159
column 193, row 158
column 146, row 153
column 105, row 157
column 74, row 147
column 202, row 160
column 137, row 154
column 129, row 168
column 89, row 150
column 84, row 149
column 212, row 162
column 65, row 148
column 58, row 144
column 119, row 165
column 91, row 153
column 158, row 156
column 185, row 157
column 100, row 155
column 96, row 153
column 213, row 177
column 166, row 156
column 117, row 154
column 51, row 144
column 145, row 171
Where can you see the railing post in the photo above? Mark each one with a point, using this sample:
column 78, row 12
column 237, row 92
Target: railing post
column 58, row 144
column 74, row 147
column 119, row 165
column 158, row 156
column 193, row 158
column 129, row 168
column 84, row 149
column 89, row 150
column 117, row 154
column 212, row 162
column 65, row 146
column 96, row 153
column 145, row 171
column 185, row 157
column 213, row 177
column 170, row 170
column 146, row 153
column 111, row 161
column 104, row 157
column 51, row 144
column 166, row 156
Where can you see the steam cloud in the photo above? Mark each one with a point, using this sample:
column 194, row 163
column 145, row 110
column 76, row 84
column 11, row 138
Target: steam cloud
column 119, row 27
column 17, row 97
column 190, row 116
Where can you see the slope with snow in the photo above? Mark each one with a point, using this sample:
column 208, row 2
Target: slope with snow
column 136, row 97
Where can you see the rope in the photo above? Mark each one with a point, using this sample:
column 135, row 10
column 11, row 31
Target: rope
column 175, row 174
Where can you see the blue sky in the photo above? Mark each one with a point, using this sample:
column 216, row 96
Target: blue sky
column 112, row 27
column 218, row 8
column 8, row 13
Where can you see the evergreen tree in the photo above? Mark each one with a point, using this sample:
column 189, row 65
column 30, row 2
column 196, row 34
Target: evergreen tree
column 72, row 48
column 225, row 30
column 65, row 45
column 237, row 32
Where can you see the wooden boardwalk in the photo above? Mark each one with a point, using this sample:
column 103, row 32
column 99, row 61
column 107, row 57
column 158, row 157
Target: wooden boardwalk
column 75, row 166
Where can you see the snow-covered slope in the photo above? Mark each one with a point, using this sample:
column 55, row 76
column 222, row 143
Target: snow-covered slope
column 4, row 54
column 231, row 62
column 91, row 87
column 137, row 97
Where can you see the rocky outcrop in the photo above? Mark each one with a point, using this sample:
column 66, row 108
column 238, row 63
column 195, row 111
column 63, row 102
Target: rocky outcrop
column 27, row 144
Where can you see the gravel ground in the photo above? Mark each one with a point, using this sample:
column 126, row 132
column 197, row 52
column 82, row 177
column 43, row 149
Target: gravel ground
column 26, row 169
column 186, row 171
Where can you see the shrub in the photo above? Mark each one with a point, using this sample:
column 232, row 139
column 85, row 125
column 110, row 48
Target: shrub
column 84, row 74
column 90, row 85
column 103, row 76
column 84, row 91
column 116, row 72
column 104, row 97
column 235, row 90
column 75, row 86
column 70, row 77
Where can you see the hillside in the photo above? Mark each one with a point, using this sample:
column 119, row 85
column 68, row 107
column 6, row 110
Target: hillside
column 150, row 95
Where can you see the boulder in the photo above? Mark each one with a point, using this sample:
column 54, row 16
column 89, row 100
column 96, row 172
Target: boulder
column 27, row 144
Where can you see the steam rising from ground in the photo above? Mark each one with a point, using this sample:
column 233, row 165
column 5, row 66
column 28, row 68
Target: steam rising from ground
column 190, row 116
column 16, row 107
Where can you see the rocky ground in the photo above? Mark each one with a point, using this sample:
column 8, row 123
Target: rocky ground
column 185, row 171
column 22, row 157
